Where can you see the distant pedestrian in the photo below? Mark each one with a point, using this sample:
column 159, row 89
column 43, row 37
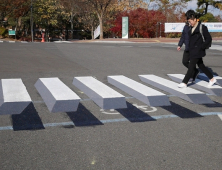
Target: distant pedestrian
column 185, row 38
column 197, row 49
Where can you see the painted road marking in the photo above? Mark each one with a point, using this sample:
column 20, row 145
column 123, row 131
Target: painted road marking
column 126, row 46
column 220, row 116
column 141, row 107
column 188, row 94
column 14, row 97
column 109, row 112
column 104, row 96
column 57, row 96
column 144, row 107
column 198, row 84
column 108, row 46
column 144, row 46
column 118, row 120
column 204, row 77
column 141, row 92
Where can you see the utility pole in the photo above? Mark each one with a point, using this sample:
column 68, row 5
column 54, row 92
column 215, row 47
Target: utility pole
column 31, row 22
column 156, row 29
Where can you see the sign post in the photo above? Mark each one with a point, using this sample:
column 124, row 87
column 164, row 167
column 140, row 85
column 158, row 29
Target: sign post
column 12, row 32
column 125, row 27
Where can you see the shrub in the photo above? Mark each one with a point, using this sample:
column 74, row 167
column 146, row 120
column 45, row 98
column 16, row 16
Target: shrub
column 3, row 31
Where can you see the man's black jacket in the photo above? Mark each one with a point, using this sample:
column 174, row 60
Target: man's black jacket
column 196, row 45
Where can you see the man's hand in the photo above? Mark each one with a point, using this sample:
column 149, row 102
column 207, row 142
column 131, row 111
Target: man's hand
column 178, row 48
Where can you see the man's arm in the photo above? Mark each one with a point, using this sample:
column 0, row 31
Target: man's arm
column 182, row 40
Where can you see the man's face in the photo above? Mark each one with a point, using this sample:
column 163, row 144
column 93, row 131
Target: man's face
column 192, row 21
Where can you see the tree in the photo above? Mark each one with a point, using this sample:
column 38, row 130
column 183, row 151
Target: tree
column 209, row 17
column 13, row 9
column 171, row 7
column 100, row 7
column 127, row 5
column 89, row 19
column 47, row 14
column 204, row 4
column 142, row 23
column 72, row 7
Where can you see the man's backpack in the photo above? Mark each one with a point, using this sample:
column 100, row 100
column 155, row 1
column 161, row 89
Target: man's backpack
column 201, row 32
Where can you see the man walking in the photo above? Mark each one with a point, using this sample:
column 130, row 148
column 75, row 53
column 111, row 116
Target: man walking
column 185, row 38
column 197, row 49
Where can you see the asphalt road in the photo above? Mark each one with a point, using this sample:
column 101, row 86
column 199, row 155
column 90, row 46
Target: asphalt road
column 180, row 136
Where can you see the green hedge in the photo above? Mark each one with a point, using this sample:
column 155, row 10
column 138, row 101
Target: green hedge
column 3, row 31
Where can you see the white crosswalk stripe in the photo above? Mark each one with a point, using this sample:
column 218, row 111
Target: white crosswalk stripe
column 141, row 92
column 204, row 77
column 101, row 94
column 14, row 97
column 187, row 94
column 198, row 84
column 60, row 98
column 56, row 95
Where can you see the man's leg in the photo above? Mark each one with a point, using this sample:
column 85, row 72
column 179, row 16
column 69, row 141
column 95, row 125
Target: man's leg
column 186, row 59
column 204, row 69
column 191, row 70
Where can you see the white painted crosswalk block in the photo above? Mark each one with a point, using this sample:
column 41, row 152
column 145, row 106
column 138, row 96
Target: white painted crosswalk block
column 188, row 94
column 204, row 77
column 141, row 92
column 14, row 97
column 101, row 94
column 56, row 95
column 198, row 84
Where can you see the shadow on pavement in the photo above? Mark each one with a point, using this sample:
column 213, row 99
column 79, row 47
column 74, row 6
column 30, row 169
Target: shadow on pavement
column 181, row 111
column 83, row 117
column 133, row 114
column 27, row 120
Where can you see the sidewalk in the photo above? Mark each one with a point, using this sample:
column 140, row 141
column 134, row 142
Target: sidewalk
column 140, row 40
column 130, row 40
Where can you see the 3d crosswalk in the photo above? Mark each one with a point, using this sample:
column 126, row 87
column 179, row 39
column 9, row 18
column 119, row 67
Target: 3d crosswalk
column 14, row 97
column 141, row 92
column 187, row 94
column 199, row 84
column 204, row 77
column 58, row 97
column 101, row 94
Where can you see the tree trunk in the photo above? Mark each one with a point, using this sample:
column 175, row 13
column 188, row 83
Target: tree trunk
column 71, row 21
column 72, row 30
column 92, row 32
column 206, row 8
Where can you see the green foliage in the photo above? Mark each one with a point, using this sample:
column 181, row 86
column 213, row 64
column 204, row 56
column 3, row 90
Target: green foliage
column 3, row 31
column 208, row 18
column 48, row 12
column 204, row 4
